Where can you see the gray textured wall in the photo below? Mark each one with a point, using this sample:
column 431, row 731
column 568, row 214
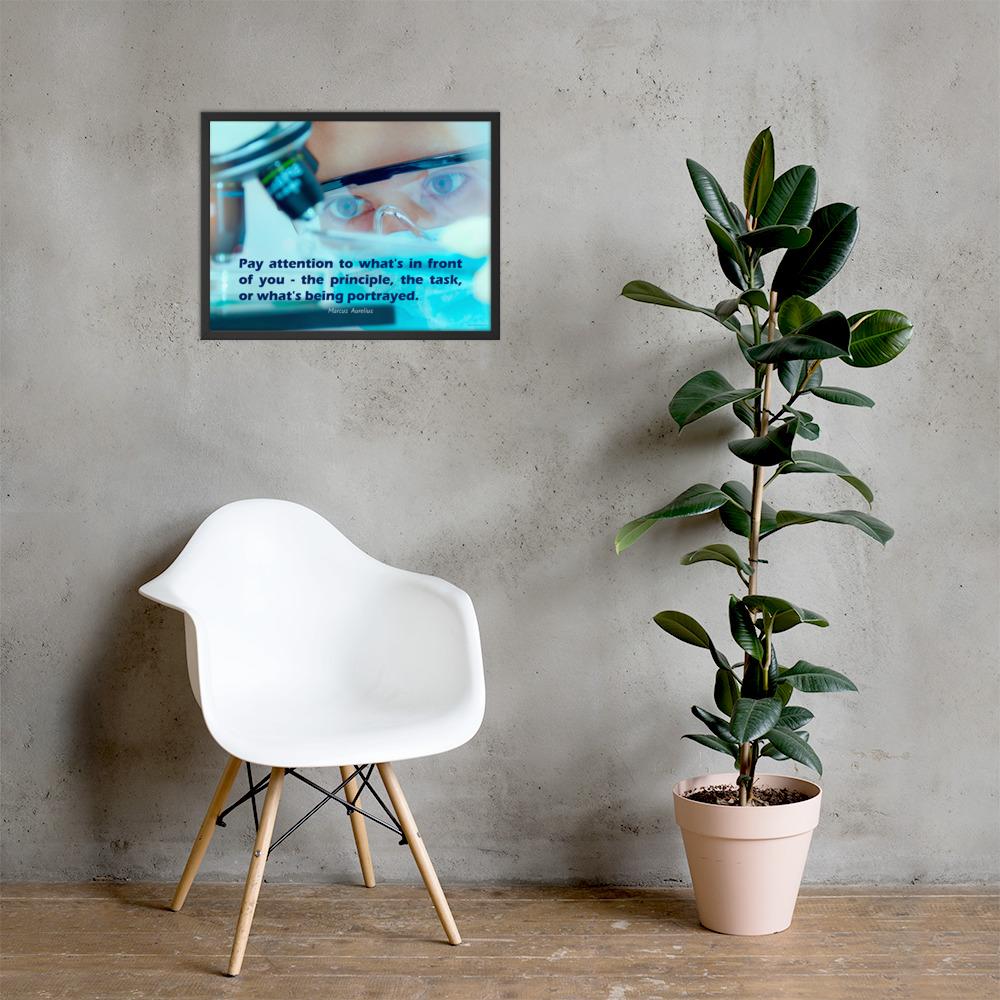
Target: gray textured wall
column 504, row 467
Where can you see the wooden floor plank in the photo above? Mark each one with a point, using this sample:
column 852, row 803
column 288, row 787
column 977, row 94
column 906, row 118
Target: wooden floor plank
column 257, row 983
column 221, row 894
column 115, row 941
column 470, row 963
column 179, row 939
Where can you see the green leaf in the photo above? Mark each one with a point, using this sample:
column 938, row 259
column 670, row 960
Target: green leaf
column 772, row 607
column 731, row 266
column 794, row 717
column 632, row 532
column 724, row 309
column 806, row 428
column 817, row 461
column 717, row 553
column 744, row 414
column 772, row 448
column 846, row 397
column 744, row 340
column 808, row 269
column 727, row 307
column 645, row 291
column 698, row 499
column 738, row 493
column 795, row 312
column 737, row 216
column 770, row 238
column 713, row 198
column 703, row 394
column 879, row 336
column 683, row 627
column 713, row 743
column 793, row 375
column 784, row 620
column 743, row 629
column 720, row 727
column 794, row 746
column 783, row 692
column 792, row 200
column 753, row 676
column 736, row 515
column 727, row 691
column 752, row 717
column 871, row 526
column 732, row 271
column 816, row 680
column 720, row 660
column 829, row 336
column 754, row 297
column 772, row 751
column 725, row 240
column 758, row 173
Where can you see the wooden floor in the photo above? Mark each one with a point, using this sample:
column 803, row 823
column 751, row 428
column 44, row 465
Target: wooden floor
column 521, row 943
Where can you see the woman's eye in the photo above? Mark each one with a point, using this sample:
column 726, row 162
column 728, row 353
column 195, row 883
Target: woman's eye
column 443, row 184
column 345, row 207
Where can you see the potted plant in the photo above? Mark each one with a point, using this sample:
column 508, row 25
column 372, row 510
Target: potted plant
column 746, row 839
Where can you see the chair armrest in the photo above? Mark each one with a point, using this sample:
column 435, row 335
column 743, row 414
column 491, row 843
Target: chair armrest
column 429, row 646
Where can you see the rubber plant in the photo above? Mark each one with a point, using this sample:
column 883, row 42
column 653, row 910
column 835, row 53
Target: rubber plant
column 789, row 342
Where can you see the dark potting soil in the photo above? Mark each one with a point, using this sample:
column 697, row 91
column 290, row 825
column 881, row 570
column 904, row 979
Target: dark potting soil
column 728, row 795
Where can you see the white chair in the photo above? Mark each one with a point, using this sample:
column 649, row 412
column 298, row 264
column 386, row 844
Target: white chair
column 304, row 652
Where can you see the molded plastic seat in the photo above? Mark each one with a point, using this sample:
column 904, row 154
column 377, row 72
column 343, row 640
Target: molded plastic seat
column 304, row 651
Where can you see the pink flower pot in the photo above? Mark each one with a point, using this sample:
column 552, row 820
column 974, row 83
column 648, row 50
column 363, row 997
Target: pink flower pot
column 746, row 862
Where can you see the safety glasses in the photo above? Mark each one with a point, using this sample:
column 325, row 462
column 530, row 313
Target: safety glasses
column 415, row 195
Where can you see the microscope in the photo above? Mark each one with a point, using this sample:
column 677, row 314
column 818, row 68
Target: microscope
column 272, row 152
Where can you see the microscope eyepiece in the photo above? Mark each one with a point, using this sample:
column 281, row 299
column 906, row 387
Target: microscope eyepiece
column 274, row 153
column 293, row 186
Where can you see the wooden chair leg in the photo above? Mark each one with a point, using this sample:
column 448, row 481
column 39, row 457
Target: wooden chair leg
column 359, row 828
column 204, row 837
column 419, row 852
column 256, row 873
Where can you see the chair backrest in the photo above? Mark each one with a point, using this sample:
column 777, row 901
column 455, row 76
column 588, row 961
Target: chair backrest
column 271, row 584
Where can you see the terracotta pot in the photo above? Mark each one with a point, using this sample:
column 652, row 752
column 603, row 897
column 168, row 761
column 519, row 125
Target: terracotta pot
column 746, row 863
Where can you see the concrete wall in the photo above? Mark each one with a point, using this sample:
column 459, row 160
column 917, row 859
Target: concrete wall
column 505, row 467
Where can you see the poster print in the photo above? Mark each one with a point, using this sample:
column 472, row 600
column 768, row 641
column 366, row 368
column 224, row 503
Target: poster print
column 359, row 226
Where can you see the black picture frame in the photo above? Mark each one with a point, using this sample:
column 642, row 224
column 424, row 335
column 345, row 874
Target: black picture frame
column 270, row 333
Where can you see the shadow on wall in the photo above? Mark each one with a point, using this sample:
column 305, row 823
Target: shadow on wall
column 626, row 824
column 143, row 746
column 623, row 821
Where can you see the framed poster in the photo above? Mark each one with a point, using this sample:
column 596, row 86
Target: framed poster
column 350, row 226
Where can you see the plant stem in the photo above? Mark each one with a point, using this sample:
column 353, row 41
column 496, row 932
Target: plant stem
column 811, row 370
column 747, row 755
column 766, row 662
column 745, row 782
column 756, row 328
column 757, row 501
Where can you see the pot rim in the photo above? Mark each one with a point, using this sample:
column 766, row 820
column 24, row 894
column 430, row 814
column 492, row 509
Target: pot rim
column 701, row 780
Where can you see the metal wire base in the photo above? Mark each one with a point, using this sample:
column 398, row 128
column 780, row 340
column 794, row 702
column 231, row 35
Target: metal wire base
column 361, row 772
